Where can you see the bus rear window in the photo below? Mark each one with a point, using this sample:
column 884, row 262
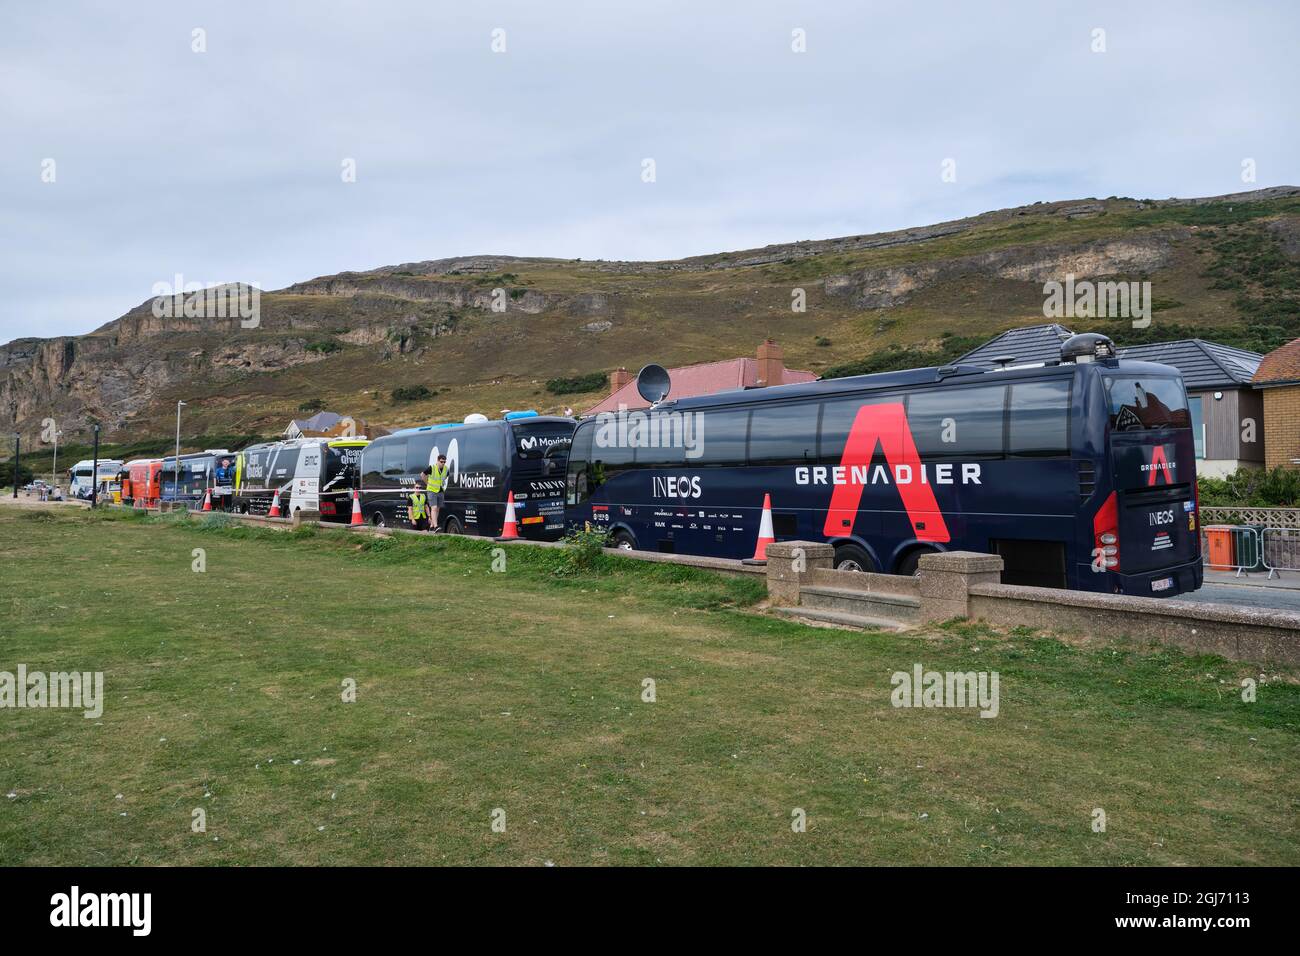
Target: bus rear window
column 1138, row 403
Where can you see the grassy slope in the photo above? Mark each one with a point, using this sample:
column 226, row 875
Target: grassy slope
column 522, row 691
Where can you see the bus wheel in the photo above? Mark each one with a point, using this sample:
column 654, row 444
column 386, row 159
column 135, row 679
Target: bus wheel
column 378, row 520
column 452, row 526
column 849, row 557
column 908, row 566
column 623, row 541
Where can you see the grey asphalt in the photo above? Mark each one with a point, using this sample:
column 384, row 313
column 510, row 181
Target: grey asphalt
column 1251, row 595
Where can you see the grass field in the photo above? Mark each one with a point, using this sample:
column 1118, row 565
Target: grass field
column 522, row 691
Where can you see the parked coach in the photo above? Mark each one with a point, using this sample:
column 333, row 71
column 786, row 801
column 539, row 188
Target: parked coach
column 309, row 474
column 524, row 453
column 1079, row 472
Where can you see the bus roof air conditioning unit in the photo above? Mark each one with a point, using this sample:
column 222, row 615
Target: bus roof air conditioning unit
column 653, row 383
column 475, row 418
column 1087, row 347
column 511, row 416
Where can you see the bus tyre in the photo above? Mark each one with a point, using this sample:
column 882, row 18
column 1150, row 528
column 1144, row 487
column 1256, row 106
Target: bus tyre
column 909, row 565
column 623, row 541
column 378, row 520
column 452, row 526
column 850, row 557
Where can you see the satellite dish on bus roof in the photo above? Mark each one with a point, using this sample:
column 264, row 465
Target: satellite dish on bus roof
column 474, row 418
column 653, row 383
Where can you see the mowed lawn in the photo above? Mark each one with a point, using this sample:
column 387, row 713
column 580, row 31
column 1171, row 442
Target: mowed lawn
column 522, row 691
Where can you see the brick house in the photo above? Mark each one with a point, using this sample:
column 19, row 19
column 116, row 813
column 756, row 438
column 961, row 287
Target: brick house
column 767, row 367
column 1278, row 380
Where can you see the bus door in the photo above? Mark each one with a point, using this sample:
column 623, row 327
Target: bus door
column 1152, row 512
column 304, row 486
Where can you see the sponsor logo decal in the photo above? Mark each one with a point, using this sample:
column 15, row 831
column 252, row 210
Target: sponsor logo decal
column 885, row 426
column 1160, row 465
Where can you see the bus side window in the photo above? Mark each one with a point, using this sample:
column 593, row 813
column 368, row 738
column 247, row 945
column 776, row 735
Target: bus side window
column 1040, row 419
column 724, row 437
column 784, row 434
column 394, row 461
column 838, row 416
column 965, row 422
column 668, row 435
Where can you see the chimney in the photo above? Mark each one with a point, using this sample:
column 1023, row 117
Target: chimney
column 618, row 378
column 771, row 364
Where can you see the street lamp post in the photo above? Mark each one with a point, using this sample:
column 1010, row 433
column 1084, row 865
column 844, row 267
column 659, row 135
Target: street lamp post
column 176, row 462
column 54, row 466
column 94, row 469
column 17, row 445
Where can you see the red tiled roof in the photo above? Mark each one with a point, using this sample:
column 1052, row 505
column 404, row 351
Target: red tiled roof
column 1280, row 365
column 703, row 379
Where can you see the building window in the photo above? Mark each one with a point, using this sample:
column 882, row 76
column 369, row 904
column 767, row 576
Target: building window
column 1198, row 424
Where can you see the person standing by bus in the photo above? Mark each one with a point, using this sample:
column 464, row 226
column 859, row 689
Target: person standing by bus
column 434, row 486
column 223, row 480
column 418, row 508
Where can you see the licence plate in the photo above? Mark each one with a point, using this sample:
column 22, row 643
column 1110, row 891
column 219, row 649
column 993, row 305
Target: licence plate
column 223, row 490
column 1164, row 584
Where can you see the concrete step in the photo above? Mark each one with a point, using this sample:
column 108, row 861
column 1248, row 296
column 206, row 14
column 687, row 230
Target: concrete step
column 840, row 618
column 901, row 607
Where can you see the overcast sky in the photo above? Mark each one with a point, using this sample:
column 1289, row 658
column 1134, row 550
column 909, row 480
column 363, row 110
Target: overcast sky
column 227, row 164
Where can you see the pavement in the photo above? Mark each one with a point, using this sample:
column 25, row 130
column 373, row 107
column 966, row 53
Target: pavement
column 1252, row 589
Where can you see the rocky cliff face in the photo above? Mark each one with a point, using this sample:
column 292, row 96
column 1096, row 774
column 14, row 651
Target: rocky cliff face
column 444, row 318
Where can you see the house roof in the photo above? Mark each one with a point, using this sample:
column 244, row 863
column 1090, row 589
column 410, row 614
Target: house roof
column 1031, row 343
column 1203, row 364
column 321, row 421
column 706, row 379
column 1280, row 365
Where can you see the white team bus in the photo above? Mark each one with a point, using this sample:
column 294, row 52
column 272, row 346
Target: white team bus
column 80, row 477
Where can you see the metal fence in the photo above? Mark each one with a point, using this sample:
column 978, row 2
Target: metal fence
column 1256, row 548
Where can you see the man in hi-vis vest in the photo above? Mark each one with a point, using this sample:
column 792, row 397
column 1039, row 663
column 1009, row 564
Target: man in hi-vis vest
column 438, row 476
column 418, row 510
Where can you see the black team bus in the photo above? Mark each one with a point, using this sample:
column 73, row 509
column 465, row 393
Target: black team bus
column 524, row 453
column 309, row 474
column 190, row 481
column 1079, row 472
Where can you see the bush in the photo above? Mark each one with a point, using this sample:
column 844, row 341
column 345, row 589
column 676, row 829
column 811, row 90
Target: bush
column 576, row 384
column 584, row 549
column 1252, row 488
column 412, row 393
column 324, row 346
column 7, row 473
column 312, row 405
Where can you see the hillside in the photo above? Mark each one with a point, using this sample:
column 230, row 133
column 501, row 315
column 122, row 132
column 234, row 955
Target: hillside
column 1225, row 267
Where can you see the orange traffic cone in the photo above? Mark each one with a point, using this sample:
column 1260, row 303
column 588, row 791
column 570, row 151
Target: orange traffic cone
column 356, row 508
column 511, row 529
column 207, row 500
column 765, row 535
column 275, row 505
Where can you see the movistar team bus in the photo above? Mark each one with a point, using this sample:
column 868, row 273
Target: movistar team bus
column 190, row 480
column 1079, row 472
column 524, row 453
column 310, row 474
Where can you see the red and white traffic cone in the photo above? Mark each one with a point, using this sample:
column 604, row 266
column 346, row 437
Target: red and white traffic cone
column 207, row 500
column 356, row 508
column 511, row 529
column 765, row 535
column 275, row 505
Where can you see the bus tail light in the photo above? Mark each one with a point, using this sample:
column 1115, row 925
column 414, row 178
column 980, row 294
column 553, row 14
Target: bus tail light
column 1105, row 530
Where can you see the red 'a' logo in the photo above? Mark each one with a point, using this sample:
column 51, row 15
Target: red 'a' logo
column 887, row 426
column 1159, row 465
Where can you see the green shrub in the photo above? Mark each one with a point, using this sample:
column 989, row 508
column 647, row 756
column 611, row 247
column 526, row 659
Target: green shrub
column 584, row 550
column 578, row 383
column 1252, row 488
column 412, row 393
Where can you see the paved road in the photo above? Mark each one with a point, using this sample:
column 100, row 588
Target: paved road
column 1286, row 599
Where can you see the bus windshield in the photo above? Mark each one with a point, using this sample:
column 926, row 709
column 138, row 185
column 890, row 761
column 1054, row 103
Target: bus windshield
column 1146, row 402
column 543, row 440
